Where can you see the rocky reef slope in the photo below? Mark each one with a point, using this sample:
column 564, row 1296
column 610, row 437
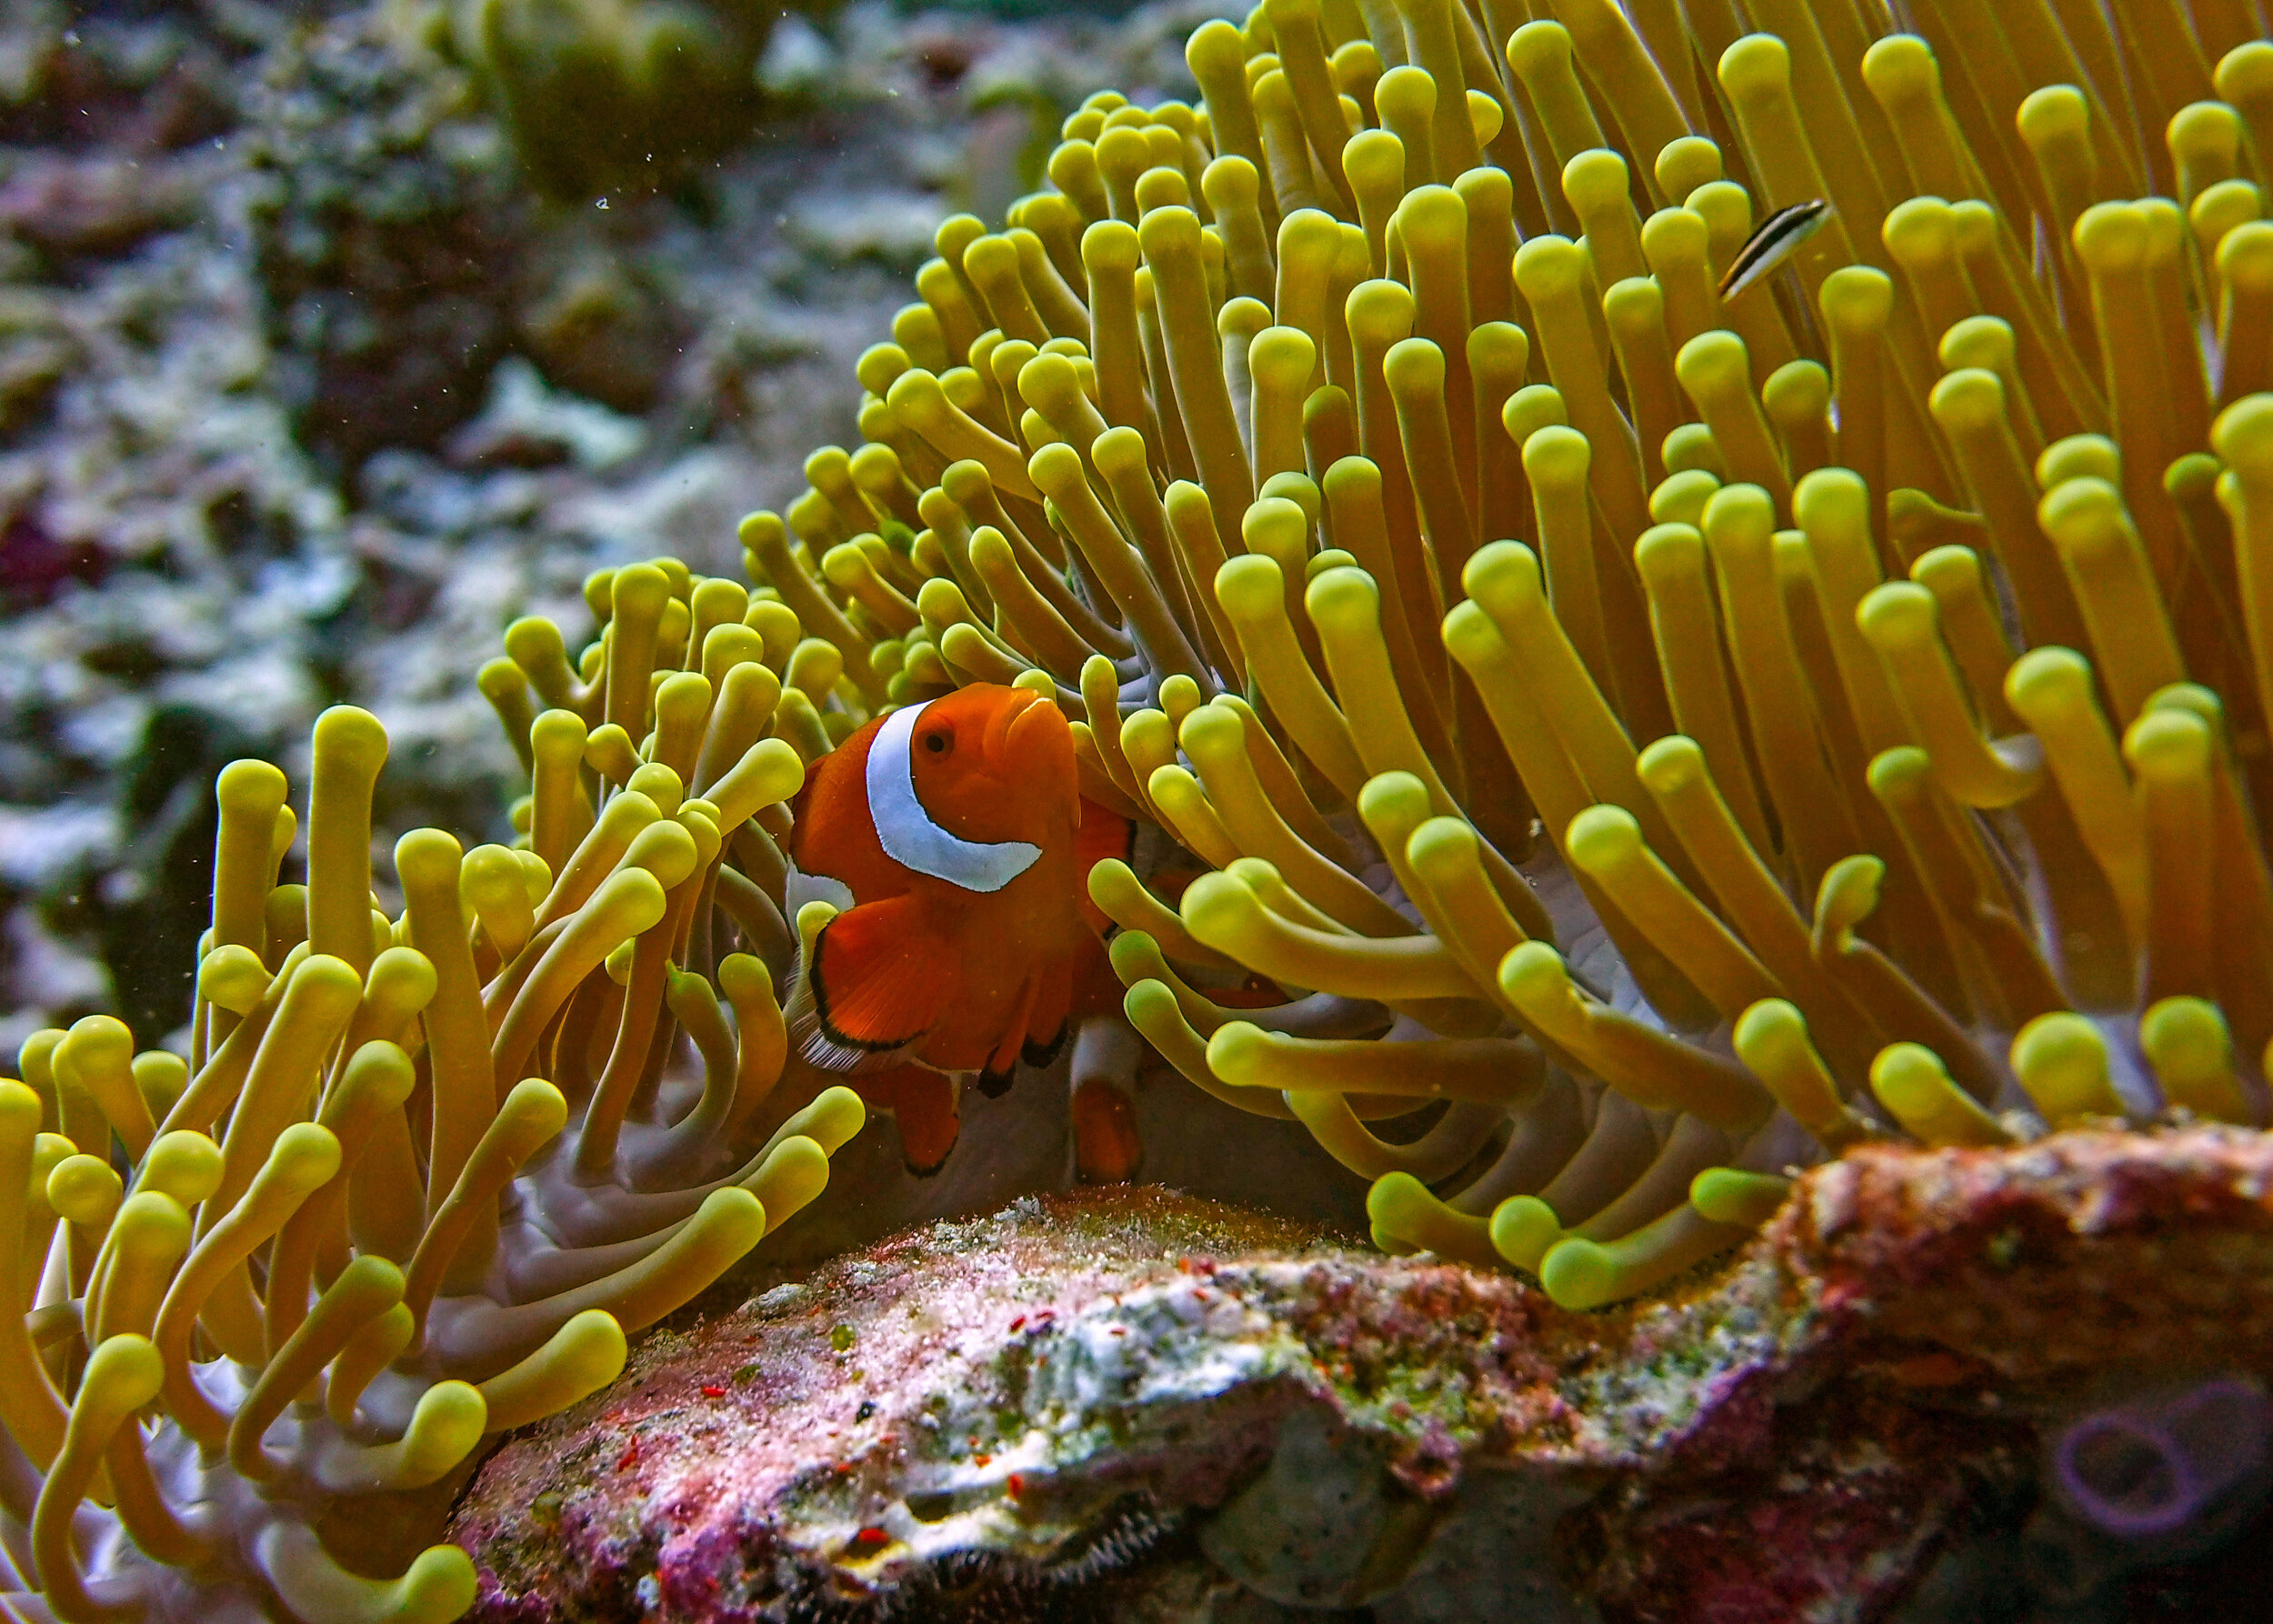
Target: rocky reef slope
column 1129, row 1405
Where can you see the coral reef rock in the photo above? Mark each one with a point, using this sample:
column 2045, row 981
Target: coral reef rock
column 1923, row 1391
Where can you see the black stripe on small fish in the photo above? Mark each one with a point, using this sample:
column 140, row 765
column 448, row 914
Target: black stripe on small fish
column 1768, row 247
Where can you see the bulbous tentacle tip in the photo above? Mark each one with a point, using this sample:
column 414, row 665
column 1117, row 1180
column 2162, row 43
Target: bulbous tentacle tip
column 2185, row 1040
column 1523, row 1230
column 835, row 1115
column 793, row 1174
column 2243, row 438
column 1733, row 1196
column 1713, row 366
column 581, row 1357
column 122, row 1374
column 1581, row 1274
column 1771, row 1039
column 448, row 1422
column 1403, row 1210
column 2055, row 113
column 440, row 1584
column 1911, row 1082
column 2061, row 1060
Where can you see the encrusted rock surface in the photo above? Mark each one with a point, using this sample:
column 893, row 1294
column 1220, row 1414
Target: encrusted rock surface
column 1129, row 1404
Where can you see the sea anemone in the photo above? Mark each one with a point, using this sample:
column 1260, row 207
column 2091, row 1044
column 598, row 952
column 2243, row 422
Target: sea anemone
column 1861, row 738
column 351, row 1238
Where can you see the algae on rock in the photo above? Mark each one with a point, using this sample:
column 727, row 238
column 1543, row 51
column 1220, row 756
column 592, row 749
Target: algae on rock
column 601, row 94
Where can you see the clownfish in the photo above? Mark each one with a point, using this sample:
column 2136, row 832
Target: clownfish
column 953, row 839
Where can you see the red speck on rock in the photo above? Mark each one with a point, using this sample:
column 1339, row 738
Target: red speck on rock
column 34, row 567
column 1931, row 1370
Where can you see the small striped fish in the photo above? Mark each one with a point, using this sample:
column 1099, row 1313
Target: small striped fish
column 1767, row 249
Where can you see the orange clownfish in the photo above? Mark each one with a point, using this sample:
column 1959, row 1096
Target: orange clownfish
column 953, row 839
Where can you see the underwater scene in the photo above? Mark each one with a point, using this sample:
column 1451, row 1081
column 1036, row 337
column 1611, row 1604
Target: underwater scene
column 1386, row 811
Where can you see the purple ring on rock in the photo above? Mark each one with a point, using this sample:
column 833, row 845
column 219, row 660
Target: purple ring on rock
column 2148, row 1469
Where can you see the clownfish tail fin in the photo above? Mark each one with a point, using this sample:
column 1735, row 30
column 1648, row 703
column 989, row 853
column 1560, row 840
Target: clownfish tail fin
column 995, row 1078
column 1046, row 1015
column 1108, row 1148
column 995, row 1084
column 1043, row 1053
column 923, row 1107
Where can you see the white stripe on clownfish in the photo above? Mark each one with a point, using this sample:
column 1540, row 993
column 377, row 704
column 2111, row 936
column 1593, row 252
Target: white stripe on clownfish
column 907, row 833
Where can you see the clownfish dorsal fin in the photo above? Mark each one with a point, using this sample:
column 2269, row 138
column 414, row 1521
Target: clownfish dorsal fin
column 798, row 887
column 877, row 982
column 907, row 832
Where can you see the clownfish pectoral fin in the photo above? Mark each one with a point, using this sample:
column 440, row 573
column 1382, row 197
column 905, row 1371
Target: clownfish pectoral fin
column 922, row 1106
column 876, row 984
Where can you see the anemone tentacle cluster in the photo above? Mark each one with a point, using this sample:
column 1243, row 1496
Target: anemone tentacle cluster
column 357, row 1233
column 1666, row 736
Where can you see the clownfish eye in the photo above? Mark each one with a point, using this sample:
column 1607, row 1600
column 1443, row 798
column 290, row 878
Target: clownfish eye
column 937, row 742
